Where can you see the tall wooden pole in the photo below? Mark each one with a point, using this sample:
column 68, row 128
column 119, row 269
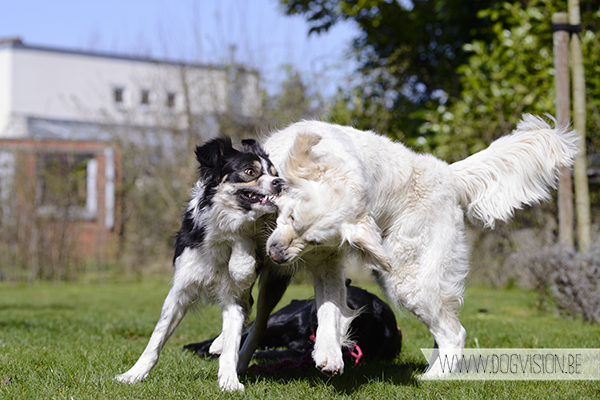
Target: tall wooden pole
column 563, row 117
column 582, row 196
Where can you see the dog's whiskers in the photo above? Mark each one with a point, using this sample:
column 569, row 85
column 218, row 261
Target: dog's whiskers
column 270, row 226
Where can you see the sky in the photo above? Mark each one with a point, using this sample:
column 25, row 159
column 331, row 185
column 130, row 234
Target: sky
column 188, row 30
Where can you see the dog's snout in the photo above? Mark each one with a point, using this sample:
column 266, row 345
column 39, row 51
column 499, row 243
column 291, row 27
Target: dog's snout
column 276, row 254
column 277, row 184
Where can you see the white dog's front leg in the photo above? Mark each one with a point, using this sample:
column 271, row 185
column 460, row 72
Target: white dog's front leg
column 233, row 323
column 174, row 308
column 333, row 316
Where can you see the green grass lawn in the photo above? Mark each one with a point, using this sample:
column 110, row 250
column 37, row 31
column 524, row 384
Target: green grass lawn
column 67, row 341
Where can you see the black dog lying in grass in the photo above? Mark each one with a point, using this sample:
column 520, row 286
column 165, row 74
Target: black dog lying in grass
column 374, row 330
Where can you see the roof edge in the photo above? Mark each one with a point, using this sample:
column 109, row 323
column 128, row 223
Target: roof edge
column 16, row 42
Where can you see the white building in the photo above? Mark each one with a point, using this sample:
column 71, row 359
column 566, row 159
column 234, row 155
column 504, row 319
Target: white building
column 58, row 93
column 70, row 115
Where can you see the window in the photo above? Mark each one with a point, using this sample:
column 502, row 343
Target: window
column 170, row 100
column 7, row 172
column 118, row 95
column 145, row 98
column 66, row 185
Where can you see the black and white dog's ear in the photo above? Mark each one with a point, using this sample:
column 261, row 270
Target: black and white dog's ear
column 211, row 155
column 253, row 146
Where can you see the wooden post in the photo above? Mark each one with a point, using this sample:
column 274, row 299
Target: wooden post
column 582, row 196
column 563, row 117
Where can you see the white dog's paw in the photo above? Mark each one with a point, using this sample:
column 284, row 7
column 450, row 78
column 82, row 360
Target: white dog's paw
column 230, row 383
column 216, row 348
column 329, row 362
column 434, row 372
column 131, row 377
column 427, row 376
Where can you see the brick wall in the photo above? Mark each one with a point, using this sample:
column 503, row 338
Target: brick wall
column 70, row 231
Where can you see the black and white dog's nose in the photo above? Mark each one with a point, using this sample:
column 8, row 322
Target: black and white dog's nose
column 277, row 184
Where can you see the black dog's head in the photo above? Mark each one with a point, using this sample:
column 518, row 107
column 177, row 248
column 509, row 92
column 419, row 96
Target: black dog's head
column 244, row 179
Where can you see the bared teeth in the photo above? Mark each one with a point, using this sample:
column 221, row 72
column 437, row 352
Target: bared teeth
column 268, row 199
column 262, row 199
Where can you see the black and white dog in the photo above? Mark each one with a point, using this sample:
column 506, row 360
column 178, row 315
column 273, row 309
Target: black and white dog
column 216, row 250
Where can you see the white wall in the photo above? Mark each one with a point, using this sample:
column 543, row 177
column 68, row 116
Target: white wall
column 5, row 89
column 79, row 87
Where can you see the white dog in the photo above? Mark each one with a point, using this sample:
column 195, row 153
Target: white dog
column 404, row 212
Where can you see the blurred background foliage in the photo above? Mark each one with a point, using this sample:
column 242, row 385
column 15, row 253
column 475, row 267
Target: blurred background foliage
column 448, row 76
column 443, row 76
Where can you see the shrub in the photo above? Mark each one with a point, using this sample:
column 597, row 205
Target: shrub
column 571, row 278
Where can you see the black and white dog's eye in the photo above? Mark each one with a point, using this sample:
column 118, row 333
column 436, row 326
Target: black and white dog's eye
column 250, row 171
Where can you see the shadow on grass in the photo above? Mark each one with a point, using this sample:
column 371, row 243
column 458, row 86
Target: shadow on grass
column 400, row 373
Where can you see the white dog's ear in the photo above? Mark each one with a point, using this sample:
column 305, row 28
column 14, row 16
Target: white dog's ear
column 365, row 236
column 301, row 162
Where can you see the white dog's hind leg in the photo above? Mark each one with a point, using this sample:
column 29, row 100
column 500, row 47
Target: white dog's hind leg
column 233, row 323
column 174, row 308
column 333, row 316
column 436, row 308
column 450, row 337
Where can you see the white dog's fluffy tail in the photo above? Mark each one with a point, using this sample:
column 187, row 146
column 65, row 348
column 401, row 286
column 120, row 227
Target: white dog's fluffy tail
column 516, row 169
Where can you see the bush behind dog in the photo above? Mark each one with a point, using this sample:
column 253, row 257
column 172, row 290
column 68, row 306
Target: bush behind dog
column 571, row 278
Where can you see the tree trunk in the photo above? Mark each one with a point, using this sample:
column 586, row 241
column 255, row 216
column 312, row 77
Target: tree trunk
column 563, row 117
column 582, row 196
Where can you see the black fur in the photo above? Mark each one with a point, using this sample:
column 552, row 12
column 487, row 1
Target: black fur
column 188, row 235
column 374, row 329
column 252, row 146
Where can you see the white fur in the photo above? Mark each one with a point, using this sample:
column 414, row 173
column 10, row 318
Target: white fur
column 404, row 211
column 515, row 170
column 223, row 270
